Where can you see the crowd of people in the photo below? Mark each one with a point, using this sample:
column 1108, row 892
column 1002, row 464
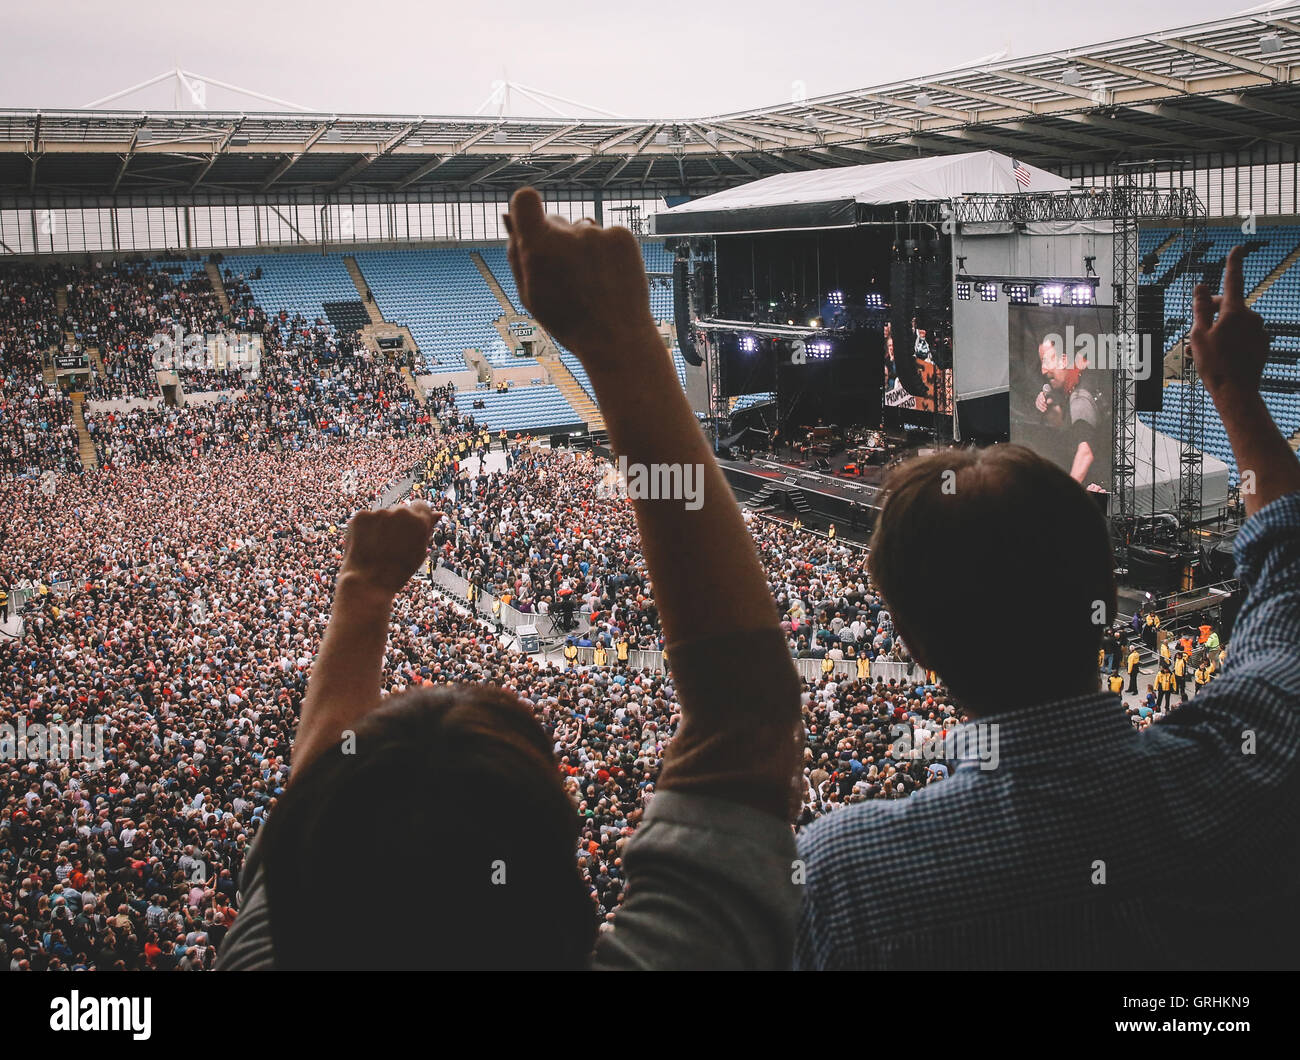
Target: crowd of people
column 200, row 557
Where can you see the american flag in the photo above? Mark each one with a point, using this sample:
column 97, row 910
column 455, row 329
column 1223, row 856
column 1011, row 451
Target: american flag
column 1021, row 172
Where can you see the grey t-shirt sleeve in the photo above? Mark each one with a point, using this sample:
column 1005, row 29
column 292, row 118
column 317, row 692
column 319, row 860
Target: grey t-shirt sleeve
column 710, row 886
column 247, row 946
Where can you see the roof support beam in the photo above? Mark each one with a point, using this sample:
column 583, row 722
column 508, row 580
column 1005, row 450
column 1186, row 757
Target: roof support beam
column 485, row 172
column 1239, row 62
column 441, row 160
column 922, row 108
column 216, row 152
column 1092, row 95
column 284, row 167
column 1175, row 83
column 1231, row 128
column 126, row 158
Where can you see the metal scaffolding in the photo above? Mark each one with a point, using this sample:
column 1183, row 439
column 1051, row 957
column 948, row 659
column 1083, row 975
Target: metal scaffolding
column 1132, row 197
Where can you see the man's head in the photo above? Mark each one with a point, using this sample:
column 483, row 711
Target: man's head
column 971, row 542
column 1057, row 366
column 455, row 787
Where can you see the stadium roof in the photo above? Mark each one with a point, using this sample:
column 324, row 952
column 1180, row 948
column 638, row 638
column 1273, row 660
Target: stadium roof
column 1228, row 85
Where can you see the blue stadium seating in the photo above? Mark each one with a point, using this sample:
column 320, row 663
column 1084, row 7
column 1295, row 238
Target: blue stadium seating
column 440, row 295
column 530, row 408
column 1279, row 305
column 298, row 283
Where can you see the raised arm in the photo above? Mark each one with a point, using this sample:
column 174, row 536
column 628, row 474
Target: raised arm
column 384, row 548
column 1230, row 353
column 709, row 878
column 1247, row 717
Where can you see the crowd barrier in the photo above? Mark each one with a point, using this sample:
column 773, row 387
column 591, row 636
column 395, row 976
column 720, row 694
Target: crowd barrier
column 809, row 669
column 18, row 597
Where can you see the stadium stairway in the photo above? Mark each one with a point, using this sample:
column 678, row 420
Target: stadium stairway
column 573, row 393
column 414, row 384
column 1273, row 276
column 218, row 286
column 85, row 447
column 1173, row 238
column 49, row 375
column 493, row 283
column 61, row 300
column 363, row 291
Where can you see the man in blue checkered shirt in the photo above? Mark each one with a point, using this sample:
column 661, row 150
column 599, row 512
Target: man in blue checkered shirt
column 1078, row 842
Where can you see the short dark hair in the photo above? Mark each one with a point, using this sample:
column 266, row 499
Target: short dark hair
column 974, row 541
column 454, row 793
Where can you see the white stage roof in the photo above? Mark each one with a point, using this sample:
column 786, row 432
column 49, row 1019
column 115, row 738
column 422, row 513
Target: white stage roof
column 829, row 198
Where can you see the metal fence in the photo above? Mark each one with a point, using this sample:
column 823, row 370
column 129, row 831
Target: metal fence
column 18, row 598
column 809, row 669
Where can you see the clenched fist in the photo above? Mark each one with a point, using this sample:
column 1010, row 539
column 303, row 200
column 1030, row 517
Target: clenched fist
column 384, row 548
column 585, row 284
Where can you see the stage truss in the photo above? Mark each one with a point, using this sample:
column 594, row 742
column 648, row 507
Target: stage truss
column 1132, row 198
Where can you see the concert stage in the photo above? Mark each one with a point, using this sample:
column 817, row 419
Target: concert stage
column 818, row 496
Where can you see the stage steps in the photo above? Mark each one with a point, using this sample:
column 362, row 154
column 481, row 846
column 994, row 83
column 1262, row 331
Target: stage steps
column 783, row 495
column 218, row 286
column 363, row 289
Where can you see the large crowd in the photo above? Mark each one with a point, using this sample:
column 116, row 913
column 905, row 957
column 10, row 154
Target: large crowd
column 199, row 560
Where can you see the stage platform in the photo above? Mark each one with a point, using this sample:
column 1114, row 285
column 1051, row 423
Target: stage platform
column 790, row 484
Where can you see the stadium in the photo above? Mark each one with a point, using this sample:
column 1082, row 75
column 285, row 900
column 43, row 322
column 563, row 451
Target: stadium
column 235, row 341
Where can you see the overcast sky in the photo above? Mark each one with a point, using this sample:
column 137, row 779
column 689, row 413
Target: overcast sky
column 670, row 58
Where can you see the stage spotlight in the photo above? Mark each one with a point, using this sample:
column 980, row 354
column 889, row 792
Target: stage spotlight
column 814, row 323
column 1019, row 293
column 1081, row 294
column 963, row 291
column 836, row 298
column 1053, row 293
column 818, row 350
column 988, row 292
column 876, row 299
column 748, row 344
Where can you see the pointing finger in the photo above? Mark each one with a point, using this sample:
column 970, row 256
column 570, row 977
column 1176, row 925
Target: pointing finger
column 1234, row 288
column 527, row 215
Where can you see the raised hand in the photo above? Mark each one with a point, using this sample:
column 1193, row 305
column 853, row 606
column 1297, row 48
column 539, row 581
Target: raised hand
column 384, row 548
column 1230, row 352
column 585, row 284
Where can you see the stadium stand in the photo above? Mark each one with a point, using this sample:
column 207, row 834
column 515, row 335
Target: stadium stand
column 439, row 294
column 531, row 408
column 296, row 284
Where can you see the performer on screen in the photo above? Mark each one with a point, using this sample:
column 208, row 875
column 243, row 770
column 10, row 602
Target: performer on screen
column 1070, row 401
